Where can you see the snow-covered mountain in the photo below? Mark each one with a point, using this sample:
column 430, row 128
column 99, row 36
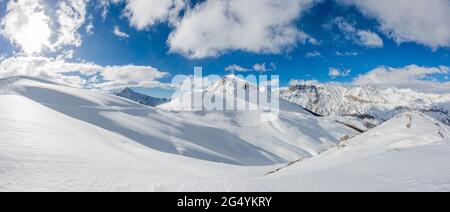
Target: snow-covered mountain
column 372, row 105
column 227, row 137
column 128, row 93
column 227, row 88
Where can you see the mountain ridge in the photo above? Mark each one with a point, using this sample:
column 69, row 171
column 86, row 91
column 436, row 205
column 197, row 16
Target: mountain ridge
column 140, row 98
column 367, row 103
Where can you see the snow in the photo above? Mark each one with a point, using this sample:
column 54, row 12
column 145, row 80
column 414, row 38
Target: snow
column 58, row 138
column 368, row 103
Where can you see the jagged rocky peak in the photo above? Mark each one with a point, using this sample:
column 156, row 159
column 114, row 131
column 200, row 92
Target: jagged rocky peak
column 130, row 94
column 366, row 102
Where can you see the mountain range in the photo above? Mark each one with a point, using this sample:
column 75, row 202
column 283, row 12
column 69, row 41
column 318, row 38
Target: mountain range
column 368, row 104
column 128, row 93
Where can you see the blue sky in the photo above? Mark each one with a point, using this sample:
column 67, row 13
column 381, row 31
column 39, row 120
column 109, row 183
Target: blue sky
column 333, row 25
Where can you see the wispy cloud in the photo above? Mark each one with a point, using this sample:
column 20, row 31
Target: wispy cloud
column 237, row 68
column 259, row 67
column 117, row 32
column 342, row 54
column 313, row 54
column 263, row 68
column 365, row 38
column 335, row 73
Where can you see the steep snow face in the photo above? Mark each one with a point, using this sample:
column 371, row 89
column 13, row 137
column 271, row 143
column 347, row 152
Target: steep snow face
column 140, row 98
column 226, row 137
column 368, row 103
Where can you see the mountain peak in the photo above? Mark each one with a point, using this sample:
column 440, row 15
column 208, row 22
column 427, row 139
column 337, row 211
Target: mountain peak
column 130, row 94
column 124, row 90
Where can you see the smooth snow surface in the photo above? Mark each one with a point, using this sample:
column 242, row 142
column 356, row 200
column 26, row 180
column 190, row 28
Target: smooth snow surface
column 57, row 138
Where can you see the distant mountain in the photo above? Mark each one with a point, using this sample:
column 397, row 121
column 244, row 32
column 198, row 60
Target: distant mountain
column 372, row 105
column 140, row 98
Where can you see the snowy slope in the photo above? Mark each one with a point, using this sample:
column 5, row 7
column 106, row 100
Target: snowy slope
column 370, row 104
column 43, row 150
column 407, row 153
column 57, row 138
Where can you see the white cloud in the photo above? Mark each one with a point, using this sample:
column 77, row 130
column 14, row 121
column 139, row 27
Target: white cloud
column 369, row 39
column 260, row 26
column 104, row 6
column 67, row 54
column 263, row 68
column 237, row 68
column 89, row 75
column 342, row 54
column 412, row 77
column 71, row 15
column 143, row 14
column 421, row 21
column 90, row 28
column 335, row 73
column 29, row 24
column 119, row 33
column 259, row 67
column 130, row 76
column 313, row 54
column 365, row 38
column 295, row 82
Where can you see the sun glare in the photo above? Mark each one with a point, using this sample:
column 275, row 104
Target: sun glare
column 35, row 34
column 27, row 26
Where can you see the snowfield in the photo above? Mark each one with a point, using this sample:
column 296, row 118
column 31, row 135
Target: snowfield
column 58, row 138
